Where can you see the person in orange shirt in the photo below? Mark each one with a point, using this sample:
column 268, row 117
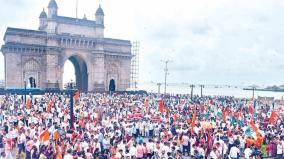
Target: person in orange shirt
column 58, row 150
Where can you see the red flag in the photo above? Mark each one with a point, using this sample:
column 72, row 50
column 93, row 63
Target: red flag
column 240, row 114
column 224, row 113
column 161, row 106
column 179, row 108
column 272, row 117
column 28, row 103
column 251, row 110
column 44, row 136
column 193, row 121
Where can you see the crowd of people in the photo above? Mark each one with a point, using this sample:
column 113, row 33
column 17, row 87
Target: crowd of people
column 139, row 126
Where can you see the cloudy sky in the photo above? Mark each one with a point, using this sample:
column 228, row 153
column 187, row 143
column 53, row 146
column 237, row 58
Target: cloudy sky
column 237, row 42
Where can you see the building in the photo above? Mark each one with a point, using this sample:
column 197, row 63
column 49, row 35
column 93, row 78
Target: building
column 37, row 57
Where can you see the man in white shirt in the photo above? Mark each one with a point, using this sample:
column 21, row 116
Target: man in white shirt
column 247, row 153
column 234, row 152
column 279, row 150
column 185, row 144
column 150, row 148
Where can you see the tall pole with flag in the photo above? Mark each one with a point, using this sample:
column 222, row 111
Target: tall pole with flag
column 76, row 9
column 166, row 74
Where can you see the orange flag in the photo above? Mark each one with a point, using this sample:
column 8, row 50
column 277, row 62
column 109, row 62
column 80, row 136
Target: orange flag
column 161, row 106
column 77, row 95
column 28, row 103
column 249, row 141
column 272, row 117
column 254, row 128
column 259, row 138
column 193, row 121
column 175, row 118
column 56, row 136
column 50, row 103
column 44, row 136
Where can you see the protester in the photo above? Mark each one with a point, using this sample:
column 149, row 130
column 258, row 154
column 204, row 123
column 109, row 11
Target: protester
column 142, row 126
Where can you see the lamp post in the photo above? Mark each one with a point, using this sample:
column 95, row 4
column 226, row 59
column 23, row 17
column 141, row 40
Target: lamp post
column 71, row 90
column 25, row 85
column 201, row 90
column 191, row 94
column 159, row 87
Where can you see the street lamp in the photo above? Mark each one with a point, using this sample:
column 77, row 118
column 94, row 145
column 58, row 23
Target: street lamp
column 191, row 94
column 25, row 85
column 201, row 90
column 71, row 88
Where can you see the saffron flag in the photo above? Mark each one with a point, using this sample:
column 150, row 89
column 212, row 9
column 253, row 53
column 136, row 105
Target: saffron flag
column 175, row 118
column 49, row 106
column 259, row 138
column 272, row 117
column 161, row 106
column 254, row 128
column 193, row 121
column 28, row 103
column 44, row 136
column 56, row 136
column 77, row 95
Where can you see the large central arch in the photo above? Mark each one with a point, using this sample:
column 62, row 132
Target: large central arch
column 81, row 72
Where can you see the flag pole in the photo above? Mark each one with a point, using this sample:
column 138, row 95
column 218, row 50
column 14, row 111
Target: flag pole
column 76, row 9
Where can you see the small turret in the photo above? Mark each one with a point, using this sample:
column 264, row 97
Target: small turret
column 42, row 20
column 52, row 9
column 100, row 16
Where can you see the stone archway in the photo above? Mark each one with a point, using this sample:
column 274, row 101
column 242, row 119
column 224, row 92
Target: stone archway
column 81, row 72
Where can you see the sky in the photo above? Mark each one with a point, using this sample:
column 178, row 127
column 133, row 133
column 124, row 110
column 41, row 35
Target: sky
column 238, row 42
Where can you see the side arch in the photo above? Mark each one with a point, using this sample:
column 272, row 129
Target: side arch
column 32, row 73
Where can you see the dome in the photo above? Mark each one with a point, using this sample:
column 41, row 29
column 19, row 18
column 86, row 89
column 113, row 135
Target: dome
column 43, row 14
column 52, row 4
column 100, row 11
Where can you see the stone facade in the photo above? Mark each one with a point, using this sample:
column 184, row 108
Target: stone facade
column 41, row 54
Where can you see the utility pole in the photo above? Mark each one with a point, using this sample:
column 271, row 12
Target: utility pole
column 201, row 92
column 159, row 87
column 191, row 94
column 76, row 9
column 166, row 74
column 253, row 89
column 25, row 83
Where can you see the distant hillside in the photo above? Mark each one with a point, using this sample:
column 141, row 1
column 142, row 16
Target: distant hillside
column 273, row 88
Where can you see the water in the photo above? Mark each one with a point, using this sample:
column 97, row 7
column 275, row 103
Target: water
column 212, row 90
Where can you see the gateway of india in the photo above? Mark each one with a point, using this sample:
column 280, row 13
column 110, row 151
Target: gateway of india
column 38, row 56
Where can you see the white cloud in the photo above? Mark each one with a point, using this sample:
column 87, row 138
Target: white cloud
column 210, row 41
